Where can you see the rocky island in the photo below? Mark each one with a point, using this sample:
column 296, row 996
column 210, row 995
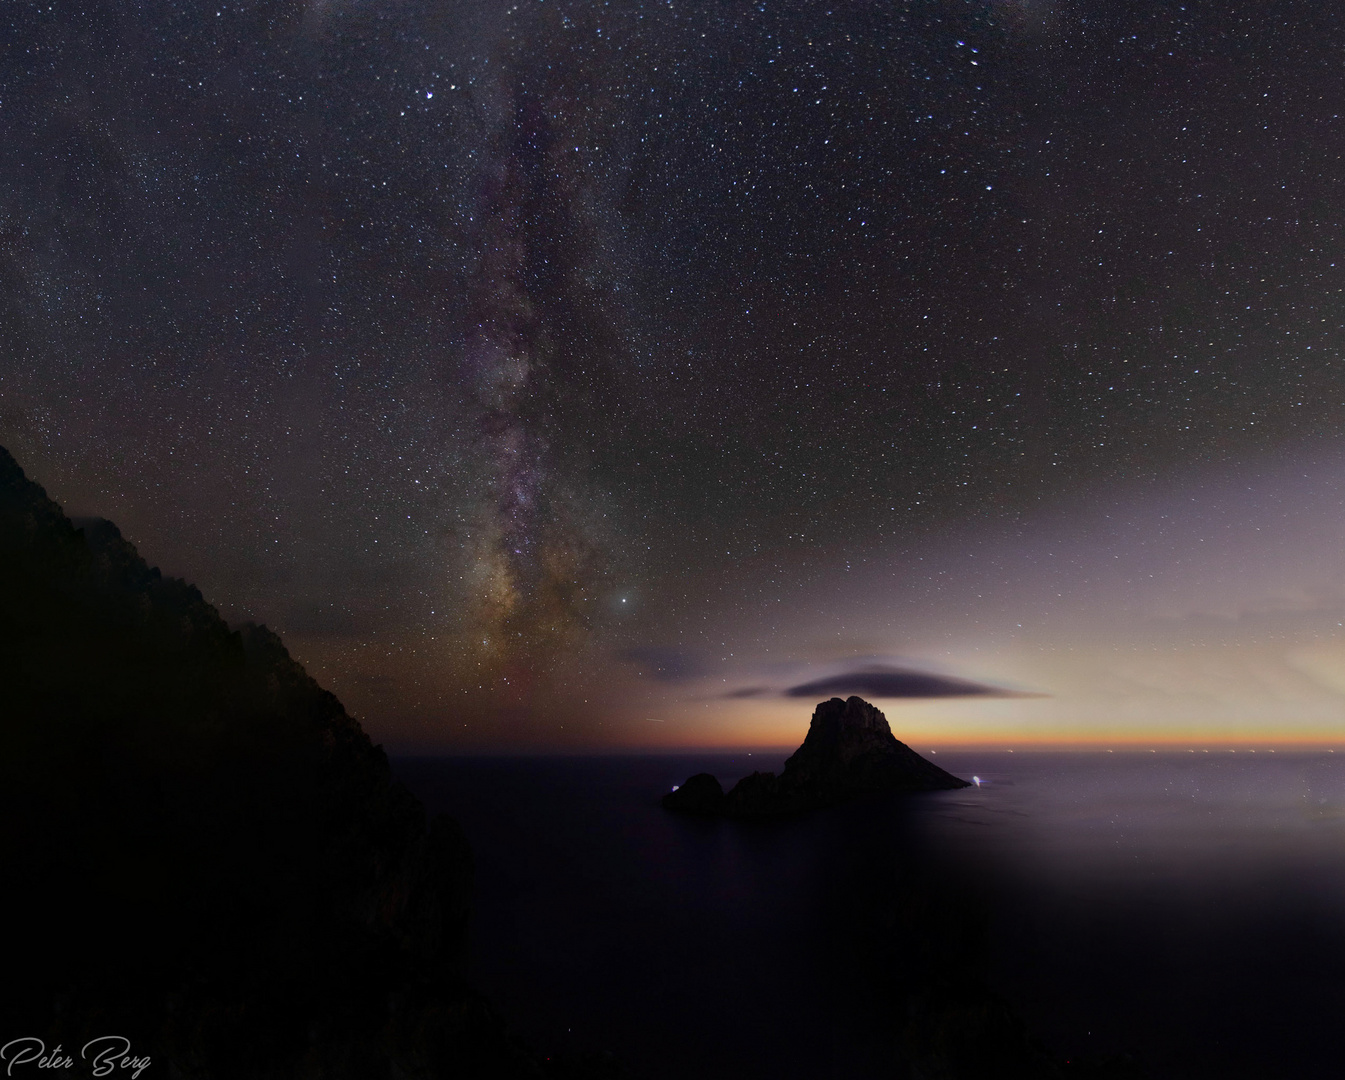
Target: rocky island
column 849, row 750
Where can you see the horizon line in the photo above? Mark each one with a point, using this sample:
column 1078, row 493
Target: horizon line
column 996, row 746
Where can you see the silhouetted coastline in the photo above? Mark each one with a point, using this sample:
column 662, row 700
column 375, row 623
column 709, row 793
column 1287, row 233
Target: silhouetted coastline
column 204, row 853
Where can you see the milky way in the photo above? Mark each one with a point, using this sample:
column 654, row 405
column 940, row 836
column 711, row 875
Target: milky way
column 507, row 381
column 538, row 564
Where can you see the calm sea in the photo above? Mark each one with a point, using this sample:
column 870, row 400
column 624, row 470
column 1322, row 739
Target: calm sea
column 1186, row 908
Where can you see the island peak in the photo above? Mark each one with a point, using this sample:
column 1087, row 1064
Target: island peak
column 849, row 750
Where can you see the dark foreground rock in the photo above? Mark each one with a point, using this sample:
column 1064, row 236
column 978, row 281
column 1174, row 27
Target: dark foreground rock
column 203, row 853
column 849, row 751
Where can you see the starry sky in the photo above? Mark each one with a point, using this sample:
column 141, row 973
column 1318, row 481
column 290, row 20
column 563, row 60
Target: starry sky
column 636, row 373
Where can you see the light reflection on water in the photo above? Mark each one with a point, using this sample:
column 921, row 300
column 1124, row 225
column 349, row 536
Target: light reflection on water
column 1174, row 812
column 1187, row 907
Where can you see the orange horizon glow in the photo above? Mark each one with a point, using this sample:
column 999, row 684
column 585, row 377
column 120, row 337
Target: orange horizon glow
column 633, row 750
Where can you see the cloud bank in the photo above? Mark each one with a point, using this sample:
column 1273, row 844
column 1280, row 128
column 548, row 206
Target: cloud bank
column 881, row 681
column 891, row 682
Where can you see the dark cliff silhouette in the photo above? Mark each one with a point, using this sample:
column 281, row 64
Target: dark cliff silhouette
column 849, row 750
column 202, row 851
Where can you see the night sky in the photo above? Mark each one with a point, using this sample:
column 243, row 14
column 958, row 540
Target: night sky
column 616, row 374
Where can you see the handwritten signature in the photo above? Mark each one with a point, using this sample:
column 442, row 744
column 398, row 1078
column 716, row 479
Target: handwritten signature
column 105, row 1055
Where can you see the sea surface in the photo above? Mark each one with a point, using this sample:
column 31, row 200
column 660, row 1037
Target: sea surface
column 1186, row 908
